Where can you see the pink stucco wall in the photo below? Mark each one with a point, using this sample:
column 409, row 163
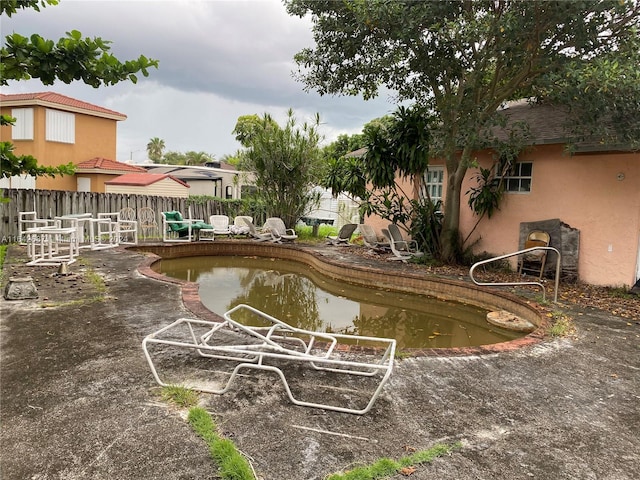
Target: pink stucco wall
column 585, row 192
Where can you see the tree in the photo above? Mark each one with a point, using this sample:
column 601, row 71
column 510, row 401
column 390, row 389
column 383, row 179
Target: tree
column 155, row 149
column 395, row 144
column 461, row 60
column 286, row 162
column 71, row 58
column 198, row 158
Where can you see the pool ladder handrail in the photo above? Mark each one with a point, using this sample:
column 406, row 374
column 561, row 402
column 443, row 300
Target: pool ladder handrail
column 520, row 252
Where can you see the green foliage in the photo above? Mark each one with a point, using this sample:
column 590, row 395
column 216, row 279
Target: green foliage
column 426, row 226
column 286, row 162
column 484, row 199
column 345, row 174
column 233, row 466
column 342, row 145
column 9, row 7
column 3, row 255
column 396, row 144
column 70, row 58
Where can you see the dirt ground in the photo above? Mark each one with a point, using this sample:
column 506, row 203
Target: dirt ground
column 77, row 399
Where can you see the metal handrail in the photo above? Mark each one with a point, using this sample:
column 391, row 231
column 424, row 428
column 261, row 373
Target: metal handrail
column 520, row 252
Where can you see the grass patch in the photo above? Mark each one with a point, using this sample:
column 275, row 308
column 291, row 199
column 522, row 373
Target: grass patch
column 402, row 354
column 386, row 468
column 232, row 465
column 96, row 281
column 181, row 396
column 305, row 233
column 3, row 255
column 621, row 292
column 562, row 325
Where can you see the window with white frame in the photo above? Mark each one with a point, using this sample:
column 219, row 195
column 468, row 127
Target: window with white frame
column 22, row 129
column 61, row 126
column 518, row 180
column 432, row 184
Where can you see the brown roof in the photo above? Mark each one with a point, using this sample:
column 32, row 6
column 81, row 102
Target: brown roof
column 104, row 165
column 142, row 179
column 547, row 123
column 62, row 102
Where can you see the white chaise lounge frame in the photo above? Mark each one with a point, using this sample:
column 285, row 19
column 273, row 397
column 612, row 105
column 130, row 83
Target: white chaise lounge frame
column 280, row 341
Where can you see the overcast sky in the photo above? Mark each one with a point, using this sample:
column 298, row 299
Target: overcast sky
column 219, row 59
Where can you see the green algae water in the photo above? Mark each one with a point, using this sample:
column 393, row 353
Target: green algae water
column 303, row 298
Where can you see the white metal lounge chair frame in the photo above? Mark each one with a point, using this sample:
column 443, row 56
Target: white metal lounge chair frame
column 273, row 344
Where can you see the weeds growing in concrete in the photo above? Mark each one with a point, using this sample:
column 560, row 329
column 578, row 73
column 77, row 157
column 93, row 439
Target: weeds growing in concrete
column 232, row 465
column 386, row 468
column 562, row 325
column 180, row 396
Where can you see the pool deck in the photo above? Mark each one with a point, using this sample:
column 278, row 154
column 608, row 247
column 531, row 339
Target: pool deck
column 77, row 399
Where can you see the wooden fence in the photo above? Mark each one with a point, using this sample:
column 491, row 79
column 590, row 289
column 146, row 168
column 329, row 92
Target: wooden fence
column 55, row 203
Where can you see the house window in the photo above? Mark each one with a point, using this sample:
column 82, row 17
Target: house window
column 22, row 129
column 61, row 126
column 432, row 184
column 519, row 178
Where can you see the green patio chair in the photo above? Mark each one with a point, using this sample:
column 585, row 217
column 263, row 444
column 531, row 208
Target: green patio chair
column 179, row 229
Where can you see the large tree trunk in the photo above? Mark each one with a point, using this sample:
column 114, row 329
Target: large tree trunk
column 451, row 240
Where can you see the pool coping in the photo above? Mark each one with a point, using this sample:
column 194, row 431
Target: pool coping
column 335, row 262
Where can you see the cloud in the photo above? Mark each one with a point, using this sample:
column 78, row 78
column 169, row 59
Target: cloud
column 218, row 60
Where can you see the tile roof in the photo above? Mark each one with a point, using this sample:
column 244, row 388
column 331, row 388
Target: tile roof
column 142, row 179
column 61, row 101
column 108, row 166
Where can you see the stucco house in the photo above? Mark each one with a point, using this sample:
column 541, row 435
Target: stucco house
column 593, row 193
column 155, row 184
column 56, row 130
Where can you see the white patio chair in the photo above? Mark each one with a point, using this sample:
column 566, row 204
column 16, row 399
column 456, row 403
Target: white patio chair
column 220, row 224
column 279, row 230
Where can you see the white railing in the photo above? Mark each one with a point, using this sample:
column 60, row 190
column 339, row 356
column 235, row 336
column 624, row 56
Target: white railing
column 507, row 284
